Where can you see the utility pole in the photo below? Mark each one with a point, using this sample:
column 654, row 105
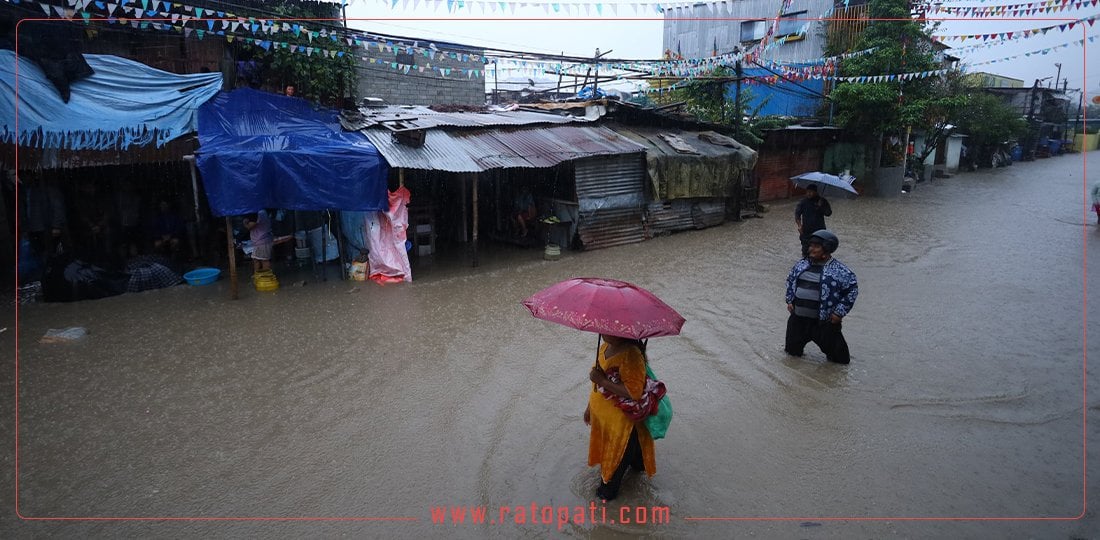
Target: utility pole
column 737, row 96
column 561, row 71
column 596, row 81
column 1058, row 78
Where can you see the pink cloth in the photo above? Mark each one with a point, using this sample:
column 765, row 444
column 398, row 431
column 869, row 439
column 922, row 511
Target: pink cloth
column 387, row 232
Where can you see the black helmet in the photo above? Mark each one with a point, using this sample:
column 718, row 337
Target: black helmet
column 828, row 240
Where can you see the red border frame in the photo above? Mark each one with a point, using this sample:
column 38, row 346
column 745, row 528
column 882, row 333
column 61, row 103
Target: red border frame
column 805, row 518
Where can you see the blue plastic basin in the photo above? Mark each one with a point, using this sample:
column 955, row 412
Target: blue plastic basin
column 202, row 276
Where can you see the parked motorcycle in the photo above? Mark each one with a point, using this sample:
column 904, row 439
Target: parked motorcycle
column 1002, row 154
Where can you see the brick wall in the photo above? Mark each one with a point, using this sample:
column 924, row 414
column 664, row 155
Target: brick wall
column 423, row 85
column 776, row 166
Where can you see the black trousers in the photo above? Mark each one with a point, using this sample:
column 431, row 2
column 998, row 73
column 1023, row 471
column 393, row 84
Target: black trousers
column 632, row 457
column 825, row 334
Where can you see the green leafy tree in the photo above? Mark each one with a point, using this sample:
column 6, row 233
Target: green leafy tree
column 986, row 120
column 316, row 77
column 901, row 45
column 707, row 99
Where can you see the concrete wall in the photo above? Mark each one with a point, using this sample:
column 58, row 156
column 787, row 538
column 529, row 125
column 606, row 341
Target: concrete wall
column 954, row 152
column 423, row 84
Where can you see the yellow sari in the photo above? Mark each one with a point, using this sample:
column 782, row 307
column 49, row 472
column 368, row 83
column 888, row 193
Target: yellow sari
column 610, row 425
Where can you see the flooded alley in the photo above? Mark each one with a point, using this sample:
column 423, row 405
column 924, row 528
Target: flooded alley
column 341, row 401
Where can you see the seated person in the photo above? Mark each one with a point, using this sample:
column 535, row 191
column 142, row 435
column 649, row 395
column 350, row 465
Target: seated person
column 166, row 230
column 524, row 211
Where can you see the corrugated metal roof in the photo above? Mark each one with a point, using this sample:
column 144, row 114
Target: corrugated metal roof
column 425, row 118
column 651, row 138
column 481, row 150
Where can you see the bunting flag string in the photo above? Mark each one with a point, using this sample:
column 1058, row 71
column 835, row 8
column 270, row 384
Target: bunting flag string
column 556, row 7
column 186, row 19
column 1090, row 20
column 1039, row 52
column 892, row 78
column 1015, row 10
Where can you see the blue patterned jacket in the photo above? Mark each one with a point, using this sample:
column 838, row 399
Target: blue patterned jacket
column 838, row 287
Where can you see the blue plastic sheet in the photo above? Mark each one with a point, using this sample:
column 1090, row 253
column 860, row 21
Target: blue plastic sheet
column 261, row 150
column 123, row 103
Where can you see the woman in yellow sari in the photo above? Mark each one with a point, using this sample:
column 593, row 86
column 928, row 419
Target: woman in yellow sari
column 617, row 442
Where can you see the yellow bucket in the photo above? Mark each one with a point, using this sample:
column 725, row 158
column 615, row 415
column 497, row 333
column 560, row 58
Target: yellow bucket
column 265, row 281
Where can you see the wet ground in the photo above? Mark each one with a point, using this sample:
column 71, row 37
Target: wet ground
column 334, row 400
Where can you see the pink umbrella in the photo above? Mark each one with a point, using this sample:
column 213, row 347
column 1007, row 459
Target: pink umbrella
column 605, row 306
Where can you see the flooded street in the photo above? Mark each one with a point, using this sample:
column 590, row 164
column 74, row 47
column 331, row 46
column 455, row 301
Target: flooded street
column 964, row 397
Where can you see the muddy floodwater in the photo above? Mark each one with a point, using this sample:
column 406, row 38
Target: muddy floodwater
column 364, row 407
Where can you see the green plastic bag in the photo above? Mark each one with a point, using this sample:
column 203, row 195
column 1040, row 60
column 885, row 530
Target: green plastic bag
column 657, row 424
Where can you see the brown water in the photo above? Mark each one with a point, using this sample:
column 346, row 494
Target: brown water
column 339, row 399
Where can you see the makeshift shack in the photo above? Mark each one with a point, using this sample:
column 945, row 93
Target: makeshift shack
column 261, row 150
column 464, row 164
column 696, row 178
column 91, row 168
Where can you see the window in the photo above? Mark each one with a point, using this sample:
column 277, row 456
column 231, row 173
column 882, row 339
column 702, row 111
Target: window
column 753, row 30
column 788, row 26
column 405, row 58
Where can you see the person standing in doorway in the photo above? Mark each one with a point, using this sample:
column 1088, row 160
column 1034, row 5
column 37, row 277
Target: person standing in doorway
column 820, row 292
column 44, row 217
column 259, row 231
column 809, row 215
column 524, row 211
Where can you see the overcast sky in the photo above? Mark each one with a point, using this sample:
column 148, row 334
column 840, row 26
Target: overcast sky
column 641, row 39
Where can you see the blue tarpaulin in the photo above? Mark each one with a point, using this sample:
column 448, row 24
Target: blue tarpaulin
column 123, row 103
column 261, row 150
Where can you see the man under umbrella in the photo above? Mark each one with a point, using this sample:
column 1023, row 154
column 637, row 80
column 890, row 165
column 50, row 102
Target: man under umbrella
column 820, row 292
column 810, row 214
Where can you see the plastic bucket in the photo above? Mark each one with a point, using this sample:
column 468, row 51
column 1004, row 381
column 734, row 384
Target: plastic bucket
column 265, row 281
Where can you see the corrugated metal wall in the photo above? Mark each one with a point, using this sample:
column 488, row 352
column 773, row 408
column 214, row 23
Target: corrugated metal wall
column 777, row 165
column 610, row 195
column 692, row 31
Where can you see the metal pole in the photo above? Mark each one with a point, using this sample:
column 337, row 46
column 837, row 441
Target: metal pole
column 324, row 246
column 233, row 293
column 496, row 86
column 194, row 187
column 737, row 97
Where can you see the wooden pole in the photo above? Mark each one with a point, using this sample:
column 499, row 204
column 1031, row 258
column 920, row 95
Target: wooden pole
column 233, row 292
column 462, row 197
column 497, row 204
column 473, row 180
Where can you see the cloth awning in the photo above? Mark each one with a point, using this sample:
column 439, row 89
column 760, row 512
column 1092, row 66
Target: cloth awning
column 261, row 150
column 124, row 103
column 691, row 164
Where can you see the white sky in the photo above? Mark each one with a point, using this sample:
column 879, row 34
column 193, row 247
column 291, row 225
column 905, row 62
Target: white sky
column 641, row 39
